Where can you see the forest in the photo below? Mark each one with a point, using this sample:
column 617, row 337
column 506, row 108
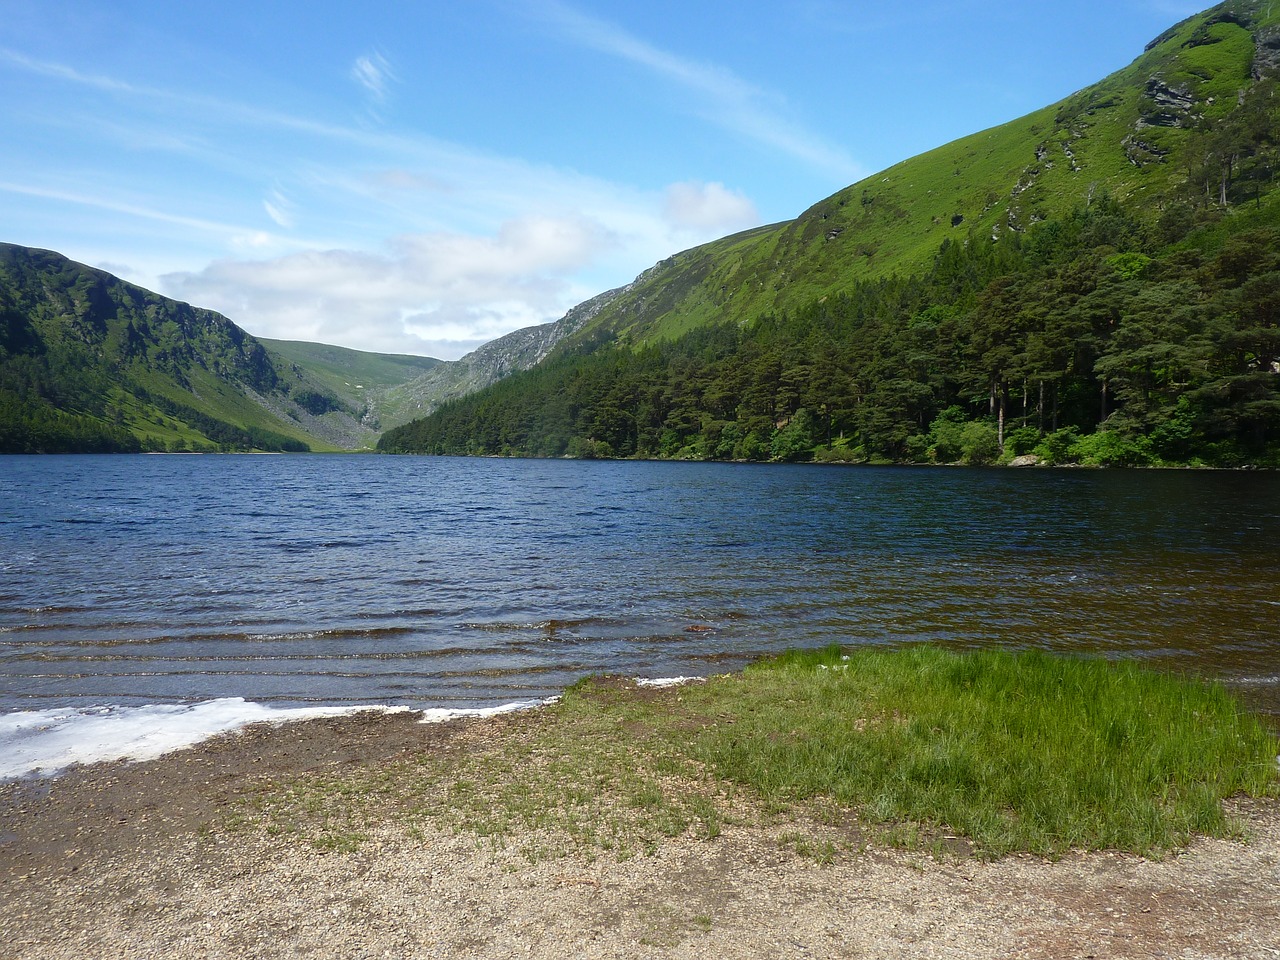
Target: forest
column 1135, row 328
column 1102, row 338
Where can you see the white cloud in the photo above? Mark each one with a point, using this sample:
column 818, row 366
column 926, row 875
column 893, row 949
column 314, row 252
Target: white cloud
column 115, row 269
column 709, row 207
column 444, row 290
column 373, row 73
column 279, row 209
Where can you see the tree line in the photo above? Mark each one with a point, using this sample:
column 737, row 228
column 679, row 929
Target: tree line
column 1102, row 337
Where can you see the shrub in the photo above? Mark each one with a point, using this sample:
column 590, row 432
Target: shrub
column 1020, row 441
column 980, row 444
column 1058, row 446
column 1107, row 448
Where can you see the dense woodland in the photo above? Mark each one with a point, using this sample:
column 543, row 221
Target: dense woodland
column 1100, row 338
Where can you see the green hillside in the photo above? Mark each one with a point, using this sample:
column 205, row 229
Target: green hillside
column 1097, row 282
column 365, row 381
column 1133, row 136
column 91, row 363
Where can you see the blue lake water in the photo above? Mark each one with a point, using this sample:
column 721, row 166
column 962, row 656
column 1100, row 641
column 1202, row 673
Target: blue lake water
column 304, row 580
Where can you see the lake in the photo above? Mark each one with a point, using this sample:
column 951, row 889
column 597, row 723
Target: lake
column 287, row 581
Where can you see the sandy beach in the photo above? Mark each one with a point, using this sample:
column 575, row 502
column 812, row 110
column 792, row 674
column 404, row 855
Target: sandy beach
column 137, row 860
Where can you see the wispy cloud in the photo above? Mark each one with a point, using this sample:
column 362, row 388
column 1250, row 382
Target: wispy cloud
column 483, row 243
column 242, row 235
column 206, row 107
column 280, row 209
column 727, row 99
column 62, row 72
column 373, row 74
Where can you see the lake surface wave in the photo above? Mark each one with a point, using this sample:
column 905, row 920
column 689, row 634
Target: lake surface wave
column 298, row 581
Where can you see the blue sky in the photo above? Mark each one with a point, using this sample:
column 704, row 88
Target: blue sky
column 426, row 177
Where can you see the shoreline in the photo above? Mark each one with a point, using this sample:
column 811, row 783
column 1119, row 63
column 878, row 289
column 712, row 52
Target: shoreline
column 364, row 451
column 46, row 743
column 138, row 859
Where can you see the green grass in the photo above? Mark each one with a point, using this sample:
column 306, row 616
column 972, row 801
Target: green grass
column 923, row 748
column 1013, row 751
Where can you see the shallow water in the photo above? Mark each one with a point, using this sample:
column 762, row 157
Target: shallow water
column 336, row 580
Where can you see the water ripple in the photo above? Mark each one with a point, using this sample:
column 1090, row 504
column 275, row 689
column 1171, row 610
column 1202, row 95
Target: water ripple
column 425, row 581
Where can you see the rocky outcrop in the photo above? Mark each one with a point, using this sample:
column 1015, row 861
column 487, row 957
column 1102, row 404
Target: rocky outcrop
column 1168, row 106
column 497, row 359
column 1266, row 57
column 1140, row 152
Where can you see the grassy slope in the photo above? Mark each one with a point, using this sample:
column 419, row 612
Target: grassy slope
column 349, row 373
column 357, row 377
column 916, row 747
column 220, row 399
column 1009, row 177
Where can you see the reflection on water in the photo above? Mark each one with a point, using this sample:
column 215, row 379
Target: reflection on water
column 442, row 582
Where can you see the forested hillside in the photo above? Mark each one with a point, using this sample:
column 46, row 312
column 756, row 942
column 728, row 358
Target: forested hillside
column 1113, row 297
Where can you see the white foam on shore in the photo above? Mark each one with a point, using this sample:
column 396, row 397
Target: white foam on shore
column 668, row 681
column 46, row 742
column 442, row 714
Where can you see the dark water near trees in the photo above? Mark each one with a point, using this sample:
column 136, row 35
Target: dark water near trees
column 442, row 582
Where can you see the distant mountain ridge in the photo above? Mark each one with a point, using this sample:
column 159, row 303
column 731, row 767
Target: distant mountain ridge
column 487, row 364
column 91, row 362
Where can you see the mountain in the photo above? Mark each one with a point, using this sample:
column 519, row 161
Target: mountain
column 89, row 362
column 487, row 364
column 370, row 383
column 1129, row 136
column 1099, row 270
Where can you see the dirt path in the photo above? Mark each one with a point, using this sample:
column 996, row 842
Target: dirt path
column 117, row 861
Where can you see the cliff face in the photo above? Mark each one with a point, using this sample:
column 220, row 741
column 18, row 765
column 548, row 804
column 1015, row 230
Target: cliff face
column 497, row 359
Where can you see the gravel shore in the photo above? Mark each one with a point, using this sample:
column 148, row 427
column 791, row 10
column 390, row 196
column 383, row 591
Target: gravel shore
column 133, row 860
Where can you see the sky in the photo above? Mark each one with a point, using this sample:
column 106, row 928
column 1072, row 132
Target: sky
column 424, row 177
